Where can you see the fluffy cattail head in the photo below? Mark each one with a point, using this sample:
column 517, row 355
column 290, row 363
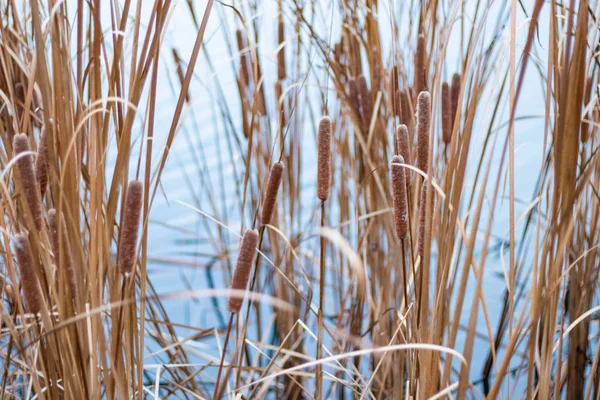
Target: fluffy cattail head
column 29, row 279
column 399, row 196
column 271, row 193
column 64, row 258
column 423, row 214
column 41, row 165
column 420, row 64
column 127, row 249
column 242, row 268
column 456, row 82
column 324, row 158
column 28, row 180
column 446, row 113
column 403, row 148
column 423, row 126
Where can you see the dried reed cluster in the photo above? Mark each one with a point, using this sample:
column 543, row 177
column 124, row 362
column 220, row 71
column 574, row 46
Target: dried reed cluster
column 242, row 268
column 132, row 210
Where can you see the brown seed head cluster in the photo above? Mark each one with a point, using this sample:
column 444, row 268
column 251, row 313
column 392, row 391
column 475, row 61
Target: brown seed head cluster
column 242, row 268
column 127, row 249
column 324, row 158
column 270, row 196
column 399, row 196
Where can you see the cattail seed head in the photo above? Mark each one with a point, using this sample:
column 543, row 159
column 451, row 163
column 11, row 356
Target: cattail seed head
column 400, row 200
column 420, row 64
column 242, row 268
column 403, row 148
column 64, row 258
column 446, row 113
column 271, row 193
column 423, row 126
column 366, row 103
column 41, row 165
column 28, row 180
column 127, row 249
column 456, row 82
column 29, row 279
column 324, row 158
column 423, row 217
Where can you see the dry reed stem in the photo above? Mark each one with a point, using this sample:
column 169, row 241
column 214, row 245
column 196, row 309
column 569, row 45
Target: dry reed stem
column 132, row 209
column 419, row 81
column 423, row 218
column 423, row 127
column 67, row 255
column 242, row 268
column 324, row 158
column 270, row 196
column 29, row 279
column 455, row 94
column 400, row 200
column 446, row 113
column 403, row 148
column 41, row 165
column 28, row 180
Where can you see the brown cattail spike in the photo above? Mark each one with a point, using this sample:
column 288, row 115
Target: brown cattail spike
column 400, row 199
column 324, row 158
column 423, row 126
column 28, row 179
column 242, row 268
column 446, row 113
column 62, row 258
column 41, row 165
column 403, row 148
column 423, row 214
column 456, row 82
column 271, row 193
column 127, row 249
column 420, row 64
column 29, row 279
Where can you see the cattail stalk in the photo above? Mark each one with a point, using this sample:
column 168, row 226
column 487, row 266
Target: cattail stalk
column 127, row 249
column 456, row 82
column 28, row 180
column 41, row 165
column 270, row 196
column 403, row 149
column 324, row 158
column 423, row 211
column 242, row 268
column 65, row 256
column 423, row 127
column 400, row 199
column 419, row 81
column 29, row 279
column 446, row 113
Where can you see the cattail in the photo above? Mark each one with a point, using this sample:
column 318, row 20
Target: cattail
column 446, row 113
column 406, row 116
column 366, row 103
column 28, row 180
column 423, row 218
column 423, row 125
column 41, row 165
column 29, row 279
column 130, row 221
column 244, row 60
column 420, row 65
column 324, row 158
column 456, row 82
column 271, row 193
column 399, row 196
column 242, row 268
column 353, row 94
column 67, row 256
column 403, row 149
column 281, row 74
